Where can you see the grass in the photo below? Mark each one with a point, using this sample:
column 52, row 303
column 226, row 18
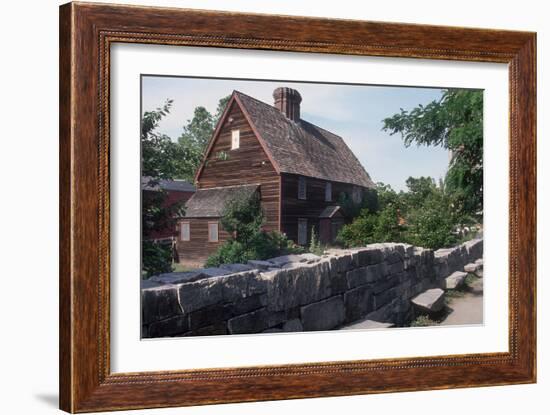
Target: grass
column 452, row 294
column 180, row 268
column 423, row 321
column 470, row 279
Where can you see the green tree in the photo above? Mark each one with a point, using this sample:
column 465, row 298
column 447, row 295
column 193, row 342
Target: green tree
column 222, row 103
column 159, row 160
column 454, row 122
column 195, row 138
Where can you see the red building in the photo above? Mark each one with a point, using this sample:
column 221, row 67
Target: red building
column 298, row 169
column 175, row 193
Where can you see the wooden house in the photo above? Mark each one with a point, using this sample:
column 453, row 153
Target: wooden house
column 175, row 193
column 298, row 169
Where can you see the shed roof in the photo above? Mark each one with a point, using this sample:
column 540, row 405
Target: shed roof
column 329, row 212
column 170, row 185
column 300, row 147
column 210, row 203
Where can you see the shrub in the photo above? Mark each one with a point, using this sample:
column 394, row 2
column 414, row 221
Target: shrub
column 423, row 321
column 243, row 217
column 263, row 245
column 156, row 258
column 314, row 244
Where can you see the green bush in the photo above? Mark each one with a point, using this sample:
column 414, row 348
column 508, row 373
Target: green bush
column 423, row 321
column 315, row 246
column 243, row 217
column 156, row 258
column 263, row 245
column 424, row 216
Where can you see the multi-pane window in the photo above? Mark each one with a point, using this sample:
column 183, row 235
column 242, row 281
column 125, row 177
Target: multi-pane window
column 328, row 192
column 235, row 139
column 302, row 231
column 302, row 188
column 212, row 231
column 185, row 231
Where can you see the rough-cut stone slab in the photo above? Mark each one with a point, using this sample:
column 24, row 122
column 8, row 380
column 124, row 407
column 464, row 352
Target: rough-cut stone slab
column 293, row 325
column 214, row 272
column 169, row 327
column 255, row 322
column 178, row 277
column 340, row 263
column 237, row 267
column 285, row 259
column 456, row 279
column 273, row 330
column 261, row 265
column 471, row 268
column 364, row 275
column 368, row 325
column 246, row 305
column 431, row 301
column 323, row 315
column 149, row 284
column 240, row 285
column 288, row 288
column 358, row 302
column 367, row 256
column 159, row 303
column 217, row 329
column 208, row 316
column 199, row 294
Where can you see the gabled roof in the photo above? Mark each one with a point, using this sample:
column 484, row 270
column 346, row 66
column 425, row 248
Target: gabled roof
column 210, row 203
column 300, row 147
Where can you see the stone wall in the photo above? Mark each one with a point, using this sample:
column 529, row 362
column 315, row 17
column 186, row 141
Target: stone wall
column 301, row 292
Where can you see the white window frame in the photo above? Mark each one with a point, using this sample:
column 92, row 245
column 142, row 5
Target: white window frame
column 302, row 231
column 235, row 139
column 183, row 236
column 302, row 188
column 210, row 234
column 328, row 192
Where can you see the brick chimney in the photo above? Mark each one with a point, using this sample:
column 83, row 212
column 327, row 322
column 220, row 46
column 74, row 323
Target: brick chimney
column 287, row 100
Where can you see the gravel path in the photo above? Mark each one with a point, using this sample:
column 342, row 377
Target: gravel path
column 467, row 309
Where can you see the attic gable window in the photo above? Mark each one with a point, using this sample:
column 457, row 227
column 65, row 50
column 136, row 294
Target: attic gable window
column 328, row 192
column 235, row 139
column 302, row 188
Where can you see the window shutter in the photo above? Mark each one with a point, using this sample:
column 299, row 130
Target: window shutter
column 328, row 192
column 185, row 231
column 213, row 232
column 302, row 188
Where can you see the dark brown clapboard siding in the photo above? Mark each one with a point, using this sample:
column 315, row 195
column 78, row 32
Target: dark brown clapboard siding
column 248, row 164
column 197, row 249
column 86, row 33
column 293, row 208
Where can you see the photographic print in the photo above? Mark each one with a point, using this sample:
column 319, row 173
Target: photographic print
column 281, row 206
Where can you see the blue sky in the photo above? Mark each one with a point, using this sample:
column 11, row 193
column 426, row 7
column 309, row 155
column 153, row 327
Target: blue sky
column 355, row 112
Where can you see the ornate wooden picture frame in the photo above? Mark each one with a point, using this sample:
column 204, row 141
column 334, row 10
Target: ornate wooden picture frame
column 87, row 32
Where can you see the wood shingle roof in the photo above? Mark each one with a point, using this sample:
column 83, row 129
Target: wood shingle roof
column 300, row 147
column 210, row 203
